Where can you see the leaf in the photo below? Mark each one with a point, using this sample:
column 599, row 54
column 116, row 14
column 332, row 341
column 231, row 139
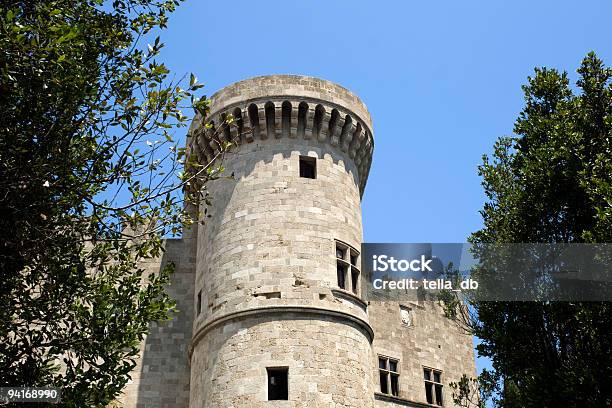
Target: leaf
column 72, row 128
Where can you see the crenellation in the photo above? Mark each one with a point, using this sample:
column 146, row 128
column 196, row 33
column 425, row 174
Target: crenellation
column 278, row 117
column 261, row 115
column 358, row 138
column 322, row 119
column 293, row 129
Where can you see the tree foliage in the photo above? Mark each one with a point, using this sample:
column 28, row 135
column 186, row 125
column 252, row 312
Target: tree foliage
column 551, row 183
column 88, row 117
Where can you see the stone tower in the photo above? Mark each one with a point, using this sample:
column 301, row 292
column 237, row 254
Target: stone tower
column 266, row 272
column 269, row 286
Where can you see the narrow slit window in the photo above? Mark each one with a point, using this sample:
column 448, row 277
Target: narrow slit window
column 355, row 281
column 308, row 167
column 342, row 276
column 278, row 384
column 199, row 302
column 354, row 257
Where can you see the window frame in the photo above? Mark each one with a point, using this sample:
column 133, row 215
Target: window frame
column 434, row 386
column 389, row 375
column 352, row 272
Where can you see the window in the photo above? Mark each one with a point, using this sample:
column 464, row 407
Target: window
column 433, row 386
column 389, row 375
column 341, row 269
column 308, row 167
column 354, row 256
column 340, row 252
column 278, row 383
column 354, row 280
column 199, row 302
column 348, row 272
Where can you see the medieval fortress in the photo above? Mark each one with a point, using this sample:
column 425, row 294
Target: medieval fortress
column 268, row 289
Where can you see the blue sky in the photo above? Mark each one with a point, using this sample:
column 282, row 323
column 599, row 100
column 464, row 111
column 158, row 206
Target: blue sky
column 442, row 80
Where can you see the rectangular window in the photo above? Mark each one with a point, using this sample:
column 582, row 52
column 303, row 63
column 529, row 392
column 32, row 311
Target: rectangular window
column 433, row 386
column 341, row 276
column 340, row 252
column 348, row 272
column 389, row 375
column 354, row 258
column 278, row 383
column 394, row 384
column 199, row 302
column 355, row 280
column 308, row 167
column 384, row 387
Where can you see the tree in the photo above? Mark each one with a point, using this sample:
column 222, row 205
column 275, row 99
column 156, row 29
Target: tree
column 87, row 152
column 551, row 183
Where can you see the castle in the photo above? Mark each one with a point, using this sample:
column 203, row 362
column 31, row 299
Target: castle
column 268, row 288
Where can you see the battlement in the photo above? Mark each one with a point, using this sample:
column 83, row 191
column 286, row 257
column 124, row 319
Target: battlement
column 288, row 106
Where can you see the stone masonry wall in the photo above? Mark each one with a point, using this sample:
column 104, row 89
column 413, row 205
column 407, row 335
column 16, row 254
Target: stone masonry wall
column 432, row 340
column 328, row 363
column 270, row 243
column 161, row 377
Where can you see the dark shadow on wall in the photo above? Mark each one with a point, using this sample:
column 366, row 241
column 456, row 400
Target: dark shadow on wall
column 164, row 369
